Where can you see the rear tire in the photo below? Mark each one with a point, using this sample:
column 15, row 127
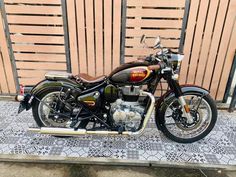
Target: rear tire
column 36, row 105
column 162, row 116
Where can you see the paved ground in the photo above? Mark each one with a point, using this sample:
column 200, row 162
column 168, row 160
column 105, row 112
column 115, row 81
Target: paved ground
column 69, row 170
column 217, row 150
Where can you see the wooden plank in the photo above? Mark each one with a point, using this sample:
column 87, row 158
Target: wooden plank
column 31, row 73
column 99, row 37
column 28, row 9
column 158, row 13
column 154, row 23
column 37, row 39
column 168, row 33
column 197, row 41
column 36, row 29
column 156, row 3
column 150, row 42
column 107, row 35
column 116, row 33
column 38, row 48
column 3, row 79
column 225, row 54
column 40, row 65
column 188, row 40
column 90, row 36
column 81, row 36
column 29, row 81
column 130, row 59
column 215, row 43
column 37, row 20
column 72, row 37
column 138, row 51
column 40, row 57
column 206, row 42
column 34, row 2
column 227, row 64
column 6, row 59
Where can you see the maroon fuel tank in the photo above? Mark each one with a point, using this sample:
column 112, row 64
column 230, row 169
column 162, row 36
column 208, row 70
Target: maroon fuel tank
column 133, row 73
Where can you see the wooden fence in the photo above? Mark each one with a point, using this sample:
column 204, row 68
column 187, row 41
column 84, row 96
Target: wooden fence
column 36, row 36
column 95, row 36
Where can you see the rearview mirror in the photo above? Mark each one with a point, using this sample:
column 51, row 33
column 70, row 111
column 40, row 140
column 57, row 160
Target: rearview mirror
column 143, row 38
column 157, row 42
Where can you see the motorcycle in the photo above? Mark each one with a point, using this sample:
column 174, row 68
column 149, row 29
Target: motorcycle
column 122, row 102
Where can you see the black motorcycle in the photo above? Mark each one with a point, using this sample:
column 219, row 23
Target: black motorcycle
column 123, row 102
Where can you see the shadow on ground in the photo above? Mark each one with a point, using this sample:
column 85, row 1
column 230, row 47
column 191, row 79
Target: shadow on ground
column 70, row 170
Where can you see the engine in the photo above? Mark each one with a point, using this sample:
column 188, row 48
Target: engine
column 127, row 113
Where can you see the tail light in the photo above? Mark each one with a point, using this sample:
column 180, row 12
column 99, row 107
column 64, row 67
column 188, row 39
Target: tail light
column 21, row 96
column 22, row 90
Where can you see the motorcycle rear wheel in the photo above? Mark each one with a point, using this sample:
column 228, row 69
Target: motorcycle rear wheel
column 40, row 107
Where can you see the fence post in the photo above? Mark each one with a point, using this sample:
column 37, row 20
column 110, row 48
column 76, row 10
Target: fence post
column 66, row 35
column 184, row 25
column 229, row 83
column 123, row 31
column 10, row 50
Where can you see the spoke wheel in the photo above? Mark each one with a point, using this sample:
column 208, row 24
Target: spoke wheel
column 44, row 110
column 202, row 110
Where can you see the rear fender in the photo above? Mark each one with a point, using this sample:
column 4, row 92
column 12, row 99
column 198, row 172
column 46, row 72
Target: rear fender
column 170, row 94
column 42, row 86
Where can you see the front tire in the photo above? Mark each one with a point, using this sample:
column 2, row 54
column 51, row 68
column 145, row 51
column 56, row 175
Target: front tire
column 179, row 131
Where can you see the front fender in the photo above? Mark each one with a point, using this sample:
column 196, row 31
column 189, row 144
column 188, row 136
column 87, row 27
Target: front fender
column 170, row 94
column 185, row 89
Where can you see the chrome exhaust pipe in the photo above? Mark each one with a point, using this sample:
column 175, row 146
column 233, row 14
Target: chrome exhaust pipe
column 72, row 132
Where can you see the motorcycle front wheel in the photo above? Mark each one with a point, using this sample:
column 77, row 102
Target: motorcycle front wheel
column 175, row 126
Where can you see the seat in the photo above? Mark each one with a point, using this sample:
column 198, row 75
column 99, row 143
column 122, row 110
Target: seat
column 90, row 79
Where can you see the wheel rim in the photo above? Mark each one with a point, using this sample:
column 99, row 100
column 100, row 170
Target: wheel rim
column 44, row 111
column 203, row 120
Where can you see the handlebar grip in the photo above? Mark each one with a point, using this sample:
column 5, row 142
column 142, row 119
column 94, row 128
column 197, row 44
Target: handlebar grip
column 154, row 67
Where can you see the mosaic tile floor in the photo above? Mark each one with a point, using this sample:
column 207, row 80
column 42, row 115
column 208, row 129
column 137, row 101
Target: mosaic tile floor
column 218, row 148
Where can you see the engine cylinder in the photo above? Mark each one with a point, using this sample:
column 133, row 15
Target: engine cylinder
column 130, row 93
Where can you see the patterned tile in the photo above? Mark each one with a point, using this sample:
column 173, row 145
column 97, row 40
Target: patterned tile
column 219, row 147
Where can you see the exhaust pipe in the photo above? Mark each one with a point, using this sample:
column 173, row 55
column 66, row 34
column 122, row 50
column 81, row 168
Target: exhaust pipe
column 72, row 132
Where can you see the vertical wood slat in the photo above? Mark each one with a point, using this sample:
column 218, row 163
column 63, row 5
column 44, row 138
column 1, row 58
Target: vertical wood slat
column 90, row 36
column 99, row 37
column 6, row 60
column 226, row 34
column 116, row 33
column 197, row 41
column 227, row 64
column 81, row 36
column 206, row 42
column 3, row 80
column 215, row 43
column 225, row 54
column 189, row 39
column 72, row 36
column 107, row 35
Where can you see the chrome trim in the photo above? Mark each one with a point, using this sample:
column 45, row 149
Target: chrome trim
column 72, row 132
column 58, row 74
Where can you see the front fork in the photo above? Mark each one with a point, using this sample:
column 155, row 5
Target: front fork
column 174, row 85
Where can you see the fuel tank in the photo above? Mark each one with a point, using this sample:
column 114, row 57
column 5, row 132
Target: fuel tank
column 133, row 73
